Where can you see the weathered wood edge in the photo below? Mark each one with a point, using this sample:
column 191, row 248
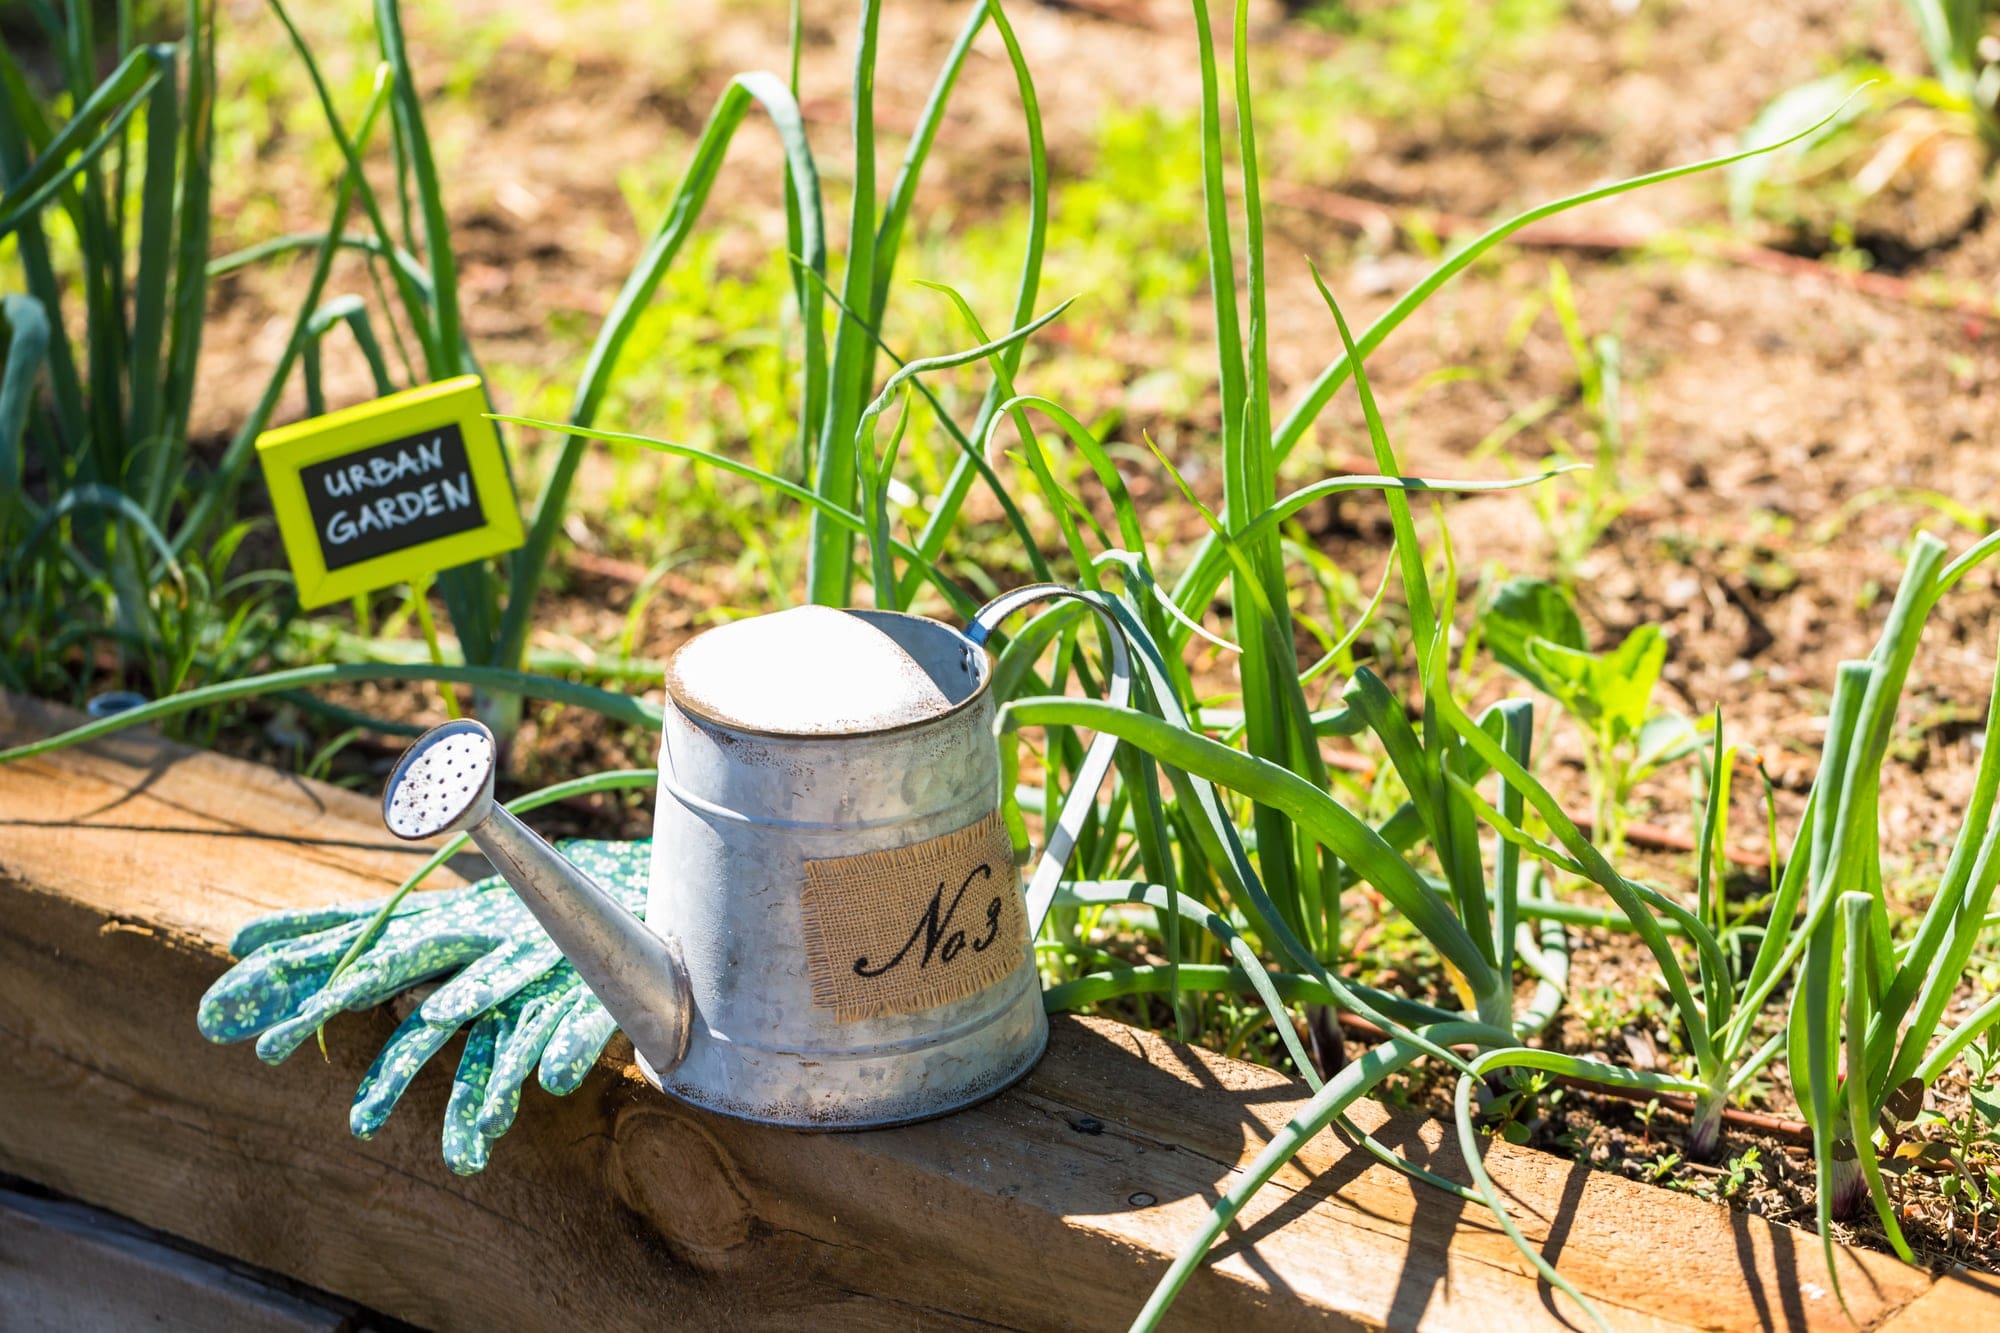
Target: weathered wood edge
column 1959, row 1299
column 124, row 866
column 65, row 1265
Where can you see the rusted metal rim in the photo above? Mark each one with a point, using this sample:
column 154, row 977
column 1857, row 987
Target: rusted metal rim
column 677, row 695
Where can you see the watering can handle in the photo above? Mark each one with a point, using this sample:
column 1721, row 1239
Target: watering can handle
column 1062, row 835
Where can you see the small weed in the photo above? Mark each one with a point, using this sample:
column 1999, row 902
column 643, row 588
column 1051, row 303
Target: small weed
column 1575, row 517
column 1739, row 1172
column 1526, row 1098
column 1960, row 1150
column 1646, row 1114
column 1534, row 632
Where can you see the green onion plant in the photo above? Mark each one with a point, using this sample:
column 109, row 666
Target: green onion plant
column 1279, row 881
column 1868, row 1033
column 1257, row 843
column 104, row 226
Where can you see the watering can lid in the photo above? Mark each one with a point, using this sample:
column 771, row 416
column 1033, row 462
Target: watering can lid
column 818, row 671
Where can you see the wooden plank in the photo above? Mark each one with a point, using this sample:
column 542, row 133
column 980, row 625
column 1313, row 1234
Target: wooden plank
column 1959, row 1299
column 66, row 1268
column 1057, row 1205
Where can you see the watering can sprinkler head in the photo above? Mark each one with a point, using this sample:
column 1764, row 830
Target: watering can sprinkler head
column 444, row 784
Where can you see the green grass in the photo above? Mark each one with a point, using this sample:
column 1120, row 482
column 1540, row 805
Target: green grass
column 1406, row 64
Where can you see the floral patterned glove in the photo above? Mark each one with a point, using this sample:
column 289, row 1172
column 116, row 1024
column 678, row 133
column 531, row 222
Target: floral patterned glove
column 526, row 1005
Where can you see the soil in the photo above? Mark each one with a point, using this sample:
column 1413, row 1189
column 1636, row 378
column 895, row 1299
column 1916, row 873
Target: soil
column 1786, row 429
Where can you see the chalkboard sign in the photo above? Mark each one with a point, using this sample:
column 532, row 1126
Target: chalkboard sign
column 409, row 491
column 390, row 491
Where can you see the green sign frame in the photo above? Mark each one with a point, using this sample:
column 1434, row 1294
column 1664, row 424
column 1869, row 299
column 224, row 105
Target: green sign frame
column 364, row 476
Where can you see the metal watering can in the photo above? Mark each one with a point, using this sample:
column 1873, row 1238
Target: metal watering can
column 836, row 934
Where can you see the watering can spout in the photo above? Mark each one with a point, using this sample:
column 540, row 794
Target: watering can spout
column 444, row 784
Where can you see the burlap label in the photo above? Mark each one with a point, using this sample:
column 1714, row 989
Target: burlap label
column 915, row 927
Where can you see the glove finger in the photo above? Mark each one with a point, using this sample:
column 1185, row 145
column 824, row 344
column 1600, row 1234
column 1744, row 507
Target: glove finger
column 465, row 1148
column 492, row 980
column 538, row 1012
column 578, row 1040
column 273, row 984
column 247, row 999
column 380, row 972
column 413, row 1042
column 301, row 950
column 282, row 926
column 282, row 977
column 361, row 986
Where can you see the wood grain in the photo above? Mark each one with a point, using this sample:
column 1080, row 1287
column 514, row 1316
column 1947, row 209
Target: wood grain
column 124, row 868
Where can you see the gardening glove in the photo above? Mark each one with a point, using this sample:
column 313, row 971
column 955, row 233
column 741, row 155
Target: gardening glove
column 554, row 1022
column 527, row 1005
